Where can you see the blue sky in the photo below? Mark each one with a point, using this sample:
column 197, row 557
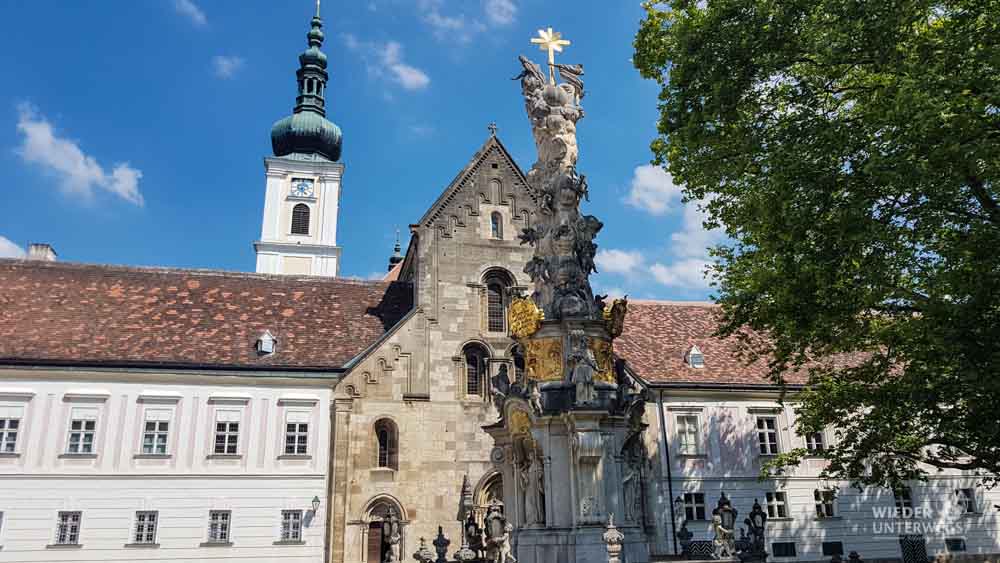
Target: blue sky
column 134, row 132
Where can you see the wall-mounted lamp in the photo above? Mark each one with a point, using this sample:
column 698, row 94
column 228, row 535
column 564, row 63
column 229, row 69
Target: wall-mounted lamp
column 315, row 503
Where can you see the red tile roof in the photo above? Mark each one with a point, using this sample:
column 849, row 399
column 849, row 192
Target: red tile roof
column 95, row 314
column 658, row 334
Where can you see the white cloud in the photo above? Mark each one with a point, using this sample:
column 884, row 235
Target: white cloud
column 689, row 247
column 421, row 130
column 653, row 190
column 500, row 12
column 190, row 10
column 10, row 250
column 686, row 273
column 389, row 63
column 79, row 173
column 227, row 66
column 615, row 261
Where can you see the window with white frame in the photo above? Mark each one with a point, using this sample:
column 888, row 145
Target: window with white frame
column 815, row 442
column 68, row 528
column 767, row 435
column 694, row 506
column 155, row 430
column 82, row 430
column 777, row 505
column 903, row 498
column 967, row 500
column 10, row 427
column 688, row 434
column 145, row 527
column 296, row 433
column 826, row 503
column 227, row 432
column 218, row 526
column 291, row 525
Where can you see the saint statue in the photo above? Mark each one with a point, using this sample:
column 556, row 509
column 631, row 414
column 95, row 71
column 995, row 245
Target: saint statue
column 532, row 475
column 392, row 535
column 584, row 366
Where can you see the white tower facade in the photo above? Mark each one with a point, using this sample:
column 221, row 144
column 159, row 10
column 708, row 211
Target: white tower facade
column 298, row 235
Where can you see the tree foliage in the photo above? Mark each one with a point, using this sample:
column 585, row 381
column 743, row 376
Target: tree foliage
column 850, row 149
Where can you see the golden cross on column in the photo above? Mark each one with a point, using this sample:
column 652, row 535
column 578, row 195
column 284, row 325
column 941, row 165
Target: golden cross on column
column 550, row 41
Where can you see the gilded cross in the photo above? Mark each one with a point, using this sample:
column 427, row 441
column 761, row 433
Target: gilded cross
column 550, row 41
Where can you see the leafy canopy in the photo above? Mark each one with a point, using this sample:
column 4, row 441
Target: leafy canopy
column 850, row 150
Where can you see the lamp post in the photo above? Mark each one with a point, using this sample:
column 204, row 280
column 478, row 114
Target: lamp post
column 315, row 504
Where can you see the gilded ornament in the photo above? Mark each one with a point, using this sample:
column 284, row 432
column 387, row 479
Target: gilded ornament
column 520, row 423
column 543, row 359
column 605, row 360
column 524, row 317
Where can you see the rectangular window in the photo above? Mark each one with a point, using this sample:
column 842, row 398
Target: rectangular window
column 296, row 433
column 783, row 549
column 82, row 431
column 767, row 435
column 777, row 505
column 687, row 434
column 218, row 526
column 967, row 500
column 954, row 544
column 694, row 506
column 291, row 525
column 68, row 528
column 826, row 503
column 831, row 548
column 903, row 498
column 10, row 426
column 155, row 432
column 145, row 526
column 814, row 442
column 227, row 432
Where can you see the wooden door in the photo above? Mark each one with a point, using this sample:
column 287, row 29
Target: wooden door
column 375, row 542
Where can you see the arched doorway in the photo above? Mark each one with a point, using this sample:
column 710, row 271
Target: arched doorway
column 383, row 513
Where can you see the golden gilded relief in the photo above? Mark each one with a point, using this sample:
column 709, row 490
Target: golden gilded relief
column 519, row 423
column 614, row 317
column 524, row 317
column 605, row 360
column 543, row 358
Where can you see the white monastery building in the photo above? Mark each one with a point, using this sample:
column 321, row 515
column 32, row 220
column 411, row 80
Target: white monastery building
column 287, row 415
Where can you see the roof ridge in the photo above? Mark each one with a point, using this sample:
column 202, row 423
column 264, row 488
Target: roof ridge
column 78, row 266
column 673, row 302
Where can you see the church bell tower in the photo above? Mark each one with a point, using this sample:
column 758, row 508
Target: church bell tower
column 298, row 235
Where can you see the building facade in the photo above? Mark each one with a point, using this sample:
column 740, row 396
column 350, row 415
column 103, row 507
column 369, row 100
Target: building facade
column 186, row 415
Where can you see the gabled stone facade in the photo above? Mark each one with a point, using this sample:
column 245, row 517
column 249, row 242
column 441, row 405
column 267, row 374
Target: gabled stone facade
column 416, row 375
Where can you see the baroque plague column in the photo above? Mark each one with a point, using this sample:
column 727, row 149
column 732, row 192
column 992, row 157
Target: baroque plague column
column 569, row 441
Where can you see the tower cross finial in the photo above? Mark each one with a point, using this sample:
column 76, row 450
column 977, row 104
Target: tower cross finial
column 550, row 41
column 493, row 128
column 317, row 8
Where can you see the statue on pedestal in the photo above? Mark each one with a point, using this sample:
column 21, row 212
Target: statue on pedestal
column 724, row 526
column 532, row 475
column 583, row 366
column 392, row 534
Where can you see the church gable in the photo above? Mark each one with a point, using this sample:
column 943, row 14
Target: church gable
column 489, row 196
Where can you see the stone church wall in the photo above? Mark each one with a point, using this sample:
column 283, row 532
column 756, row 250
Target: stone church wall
column 416, row 377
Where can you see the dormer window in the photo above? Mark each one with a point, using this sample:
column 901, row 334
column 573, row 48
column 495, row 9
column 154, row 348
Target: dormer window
column 265, row 344
column 694, row 358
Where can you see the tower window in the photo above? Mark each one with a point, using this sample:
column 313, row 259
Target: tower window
column 300, row 219
column 475, row 369
column 496, row 225
column 494, row 307
column 387, row 443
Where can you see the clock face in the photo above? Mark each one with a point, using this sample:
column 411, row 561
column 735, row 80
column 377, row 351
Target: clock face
column 302, row 187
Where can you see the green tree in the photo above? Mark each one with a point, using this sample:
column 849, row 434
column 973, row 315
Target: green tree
column 850, row 151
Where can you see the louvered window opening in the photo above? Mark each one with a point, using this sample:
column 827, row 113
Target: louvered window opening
column 300, row 219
